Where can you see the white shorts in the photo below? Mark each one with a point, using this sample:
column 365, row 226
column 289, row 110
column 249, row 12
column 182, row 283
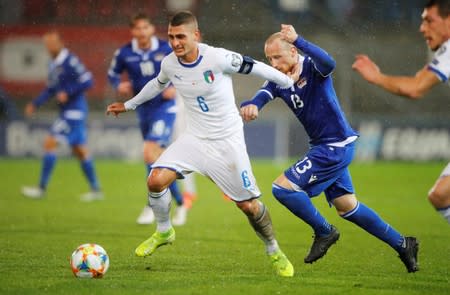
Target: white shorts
column 446, row 171
column 224, row 161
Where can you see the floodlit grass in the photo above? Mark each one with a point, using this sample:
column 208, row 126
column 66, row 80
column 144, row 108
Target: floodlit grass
column 216, row 252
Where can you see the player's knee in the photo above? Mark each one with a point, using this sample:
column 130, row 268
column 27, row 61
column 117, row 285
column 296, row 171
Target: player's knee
column 50, row 144
column 80, row 152
column 345, row 203
column 158, row 181
column 438, row 197
column 248, row 207
column 279, row 192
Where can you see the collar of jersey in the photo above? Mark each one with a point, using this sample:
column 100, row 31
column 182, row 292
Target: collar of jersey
column 191, row 65
column 135, row 47
column 301, row 59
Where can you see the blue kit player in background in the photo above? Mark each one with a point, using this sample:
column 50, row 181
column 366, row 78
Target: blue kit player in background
column 141, row 59
column 325, row 166
column 68, row 79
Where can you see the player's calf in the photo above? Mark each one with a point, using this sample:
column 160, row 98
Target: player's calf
column 259, row 218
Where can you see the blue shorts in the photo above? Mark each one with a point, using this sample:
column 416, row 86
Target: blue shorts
column 158, row 128
column 73, row 132
column 324, row 169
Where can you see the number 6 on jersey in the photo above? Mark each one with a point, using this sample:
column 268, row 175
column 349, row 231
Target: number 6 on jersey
column 202, row 104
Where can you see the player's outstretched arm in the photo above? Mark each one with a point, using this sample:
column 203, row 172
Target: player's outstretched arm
column 116, row 108
column 269, row 73
column 232, row 62
column 413, row 87
column 149, row 91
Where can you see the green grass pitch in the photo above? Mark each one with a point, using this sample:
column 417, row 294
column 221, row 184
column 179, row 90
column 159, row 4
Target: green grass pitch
column 216, row 252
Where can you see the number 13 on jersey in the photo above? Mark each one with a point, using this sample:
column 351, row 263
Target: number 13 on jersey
column 202, row 104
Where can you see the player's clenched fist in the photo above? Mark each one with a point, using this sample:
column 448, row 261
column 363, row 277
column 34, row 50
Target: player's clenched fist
column 249, row 112
column 289, row 33
column 116, row 108
column 366, row 67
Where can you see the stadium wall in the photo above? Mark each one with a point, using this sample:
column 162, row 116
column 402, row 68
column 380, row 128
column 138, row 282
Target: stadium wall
column 278, row 139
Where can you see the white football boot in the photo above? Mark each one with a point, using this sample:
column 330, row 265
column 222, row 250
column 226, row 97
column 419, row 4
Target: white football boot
column 180, row 216
column 33, row 192
column 92, row 196
column 146, row 216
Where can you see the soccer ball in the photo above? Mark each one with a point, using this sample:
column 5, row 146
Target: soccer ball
column 89, row 261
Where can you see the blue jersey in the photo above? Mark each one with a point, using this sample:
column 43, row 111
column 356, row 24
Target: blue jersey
column 142, row 66
column 67, row 74
column 312, row 99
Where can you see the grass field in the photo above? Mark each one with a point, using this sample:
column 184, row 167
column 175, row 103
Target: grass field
column 216, row 252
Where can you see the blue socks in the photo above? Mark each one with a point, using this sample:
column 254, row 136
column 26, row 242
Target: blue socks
column 367, row 219
column 176, row 194
column 174, row 189
column 300, row 204
column 48, row 163
column 88, row 169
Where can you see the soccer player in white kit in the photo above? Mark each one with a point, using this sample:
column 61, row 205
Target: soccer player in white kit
column 213, row 143
column 435, row 28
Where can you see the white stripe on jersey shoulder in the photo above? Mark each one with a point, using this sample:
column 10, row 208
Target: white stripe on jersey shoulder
column 301, row 58
column 266, row 91
column 62, row 55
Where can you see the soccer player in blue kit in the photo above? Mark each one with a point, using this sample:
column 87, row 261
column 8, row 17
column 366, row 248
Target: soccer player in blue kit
column 141, row 59
column 68, row 79
column 325, row 166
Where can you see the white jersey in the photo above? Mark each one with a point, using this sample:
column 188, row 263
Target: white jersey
column 440, row 65
column 207, row 90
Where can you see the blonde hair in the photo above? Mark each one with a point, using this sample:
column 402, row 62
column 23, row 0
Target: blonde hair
column 278, row 36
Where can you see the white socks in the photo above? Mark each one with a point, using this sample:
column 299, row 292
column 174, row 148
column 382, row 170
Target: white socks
column 189, row 184
column 160, row 203
column 446, row 213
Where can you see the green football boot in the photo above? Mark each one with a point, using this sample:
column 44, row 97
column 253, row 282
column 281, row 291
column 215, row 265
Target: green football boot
column 158, row 239
column 281, row 264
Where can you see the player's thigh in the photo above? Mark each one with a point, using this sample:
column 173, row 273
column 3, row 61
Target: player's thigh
column 152, row 150
column 230, row 169
column 184, row 155
column 441, row 189
column 50, row 143
column 319, row 169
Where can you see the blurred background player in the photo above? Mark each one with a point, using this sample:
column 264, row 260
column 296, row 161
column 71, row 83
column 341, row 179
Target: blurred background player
column 68, row 79
column 325, row 166
column 141, row 59
column 435, row 28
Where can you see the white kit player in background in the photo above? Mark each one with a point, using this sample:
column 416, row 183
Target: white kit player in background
column 213, row 143
column 435, row 28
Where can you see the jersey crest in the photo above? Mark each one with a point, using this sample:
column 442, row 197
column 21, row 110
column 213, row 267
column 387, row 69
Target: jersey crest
column 209, row 76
